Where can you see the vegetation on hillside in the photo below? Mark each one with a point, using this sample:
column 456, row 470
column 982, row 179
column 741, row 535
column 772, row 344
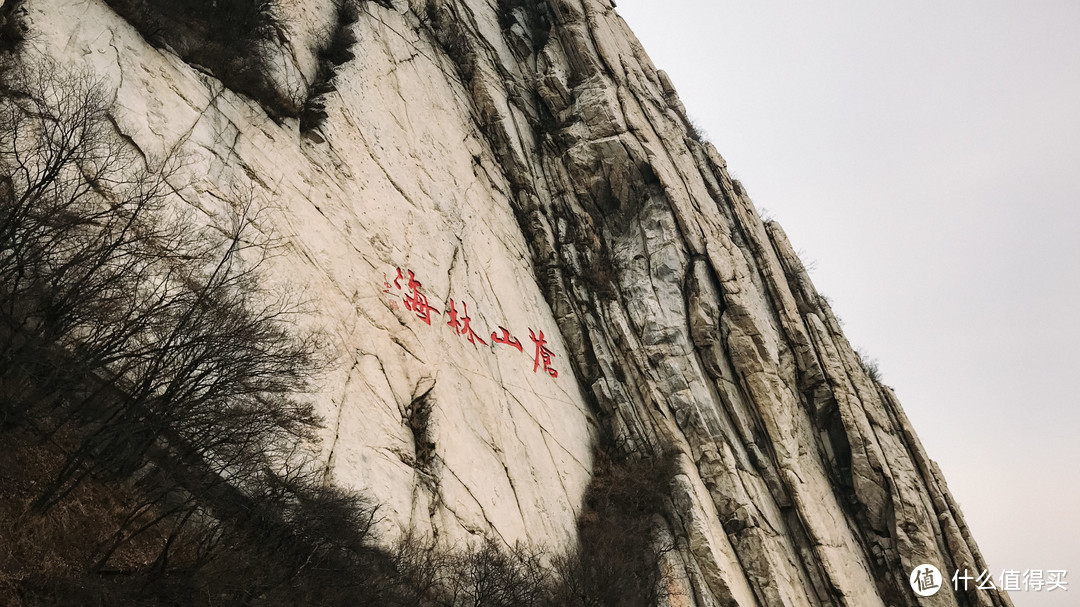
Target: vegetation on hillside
column 158, row 439
column 240, row 43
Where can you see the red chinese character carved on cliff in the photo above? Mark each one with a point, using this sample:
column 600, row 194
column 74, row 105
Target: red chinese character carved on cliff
column 513, row 342
column 463, row 327
column 543, row 354
column 416, row 300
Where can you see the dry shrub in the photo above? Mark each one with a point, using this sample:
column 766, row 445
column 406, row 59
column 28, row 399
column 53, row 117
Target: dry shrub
column 617, row 560
column 334, row 51
column 12, row 26
column 230, row 38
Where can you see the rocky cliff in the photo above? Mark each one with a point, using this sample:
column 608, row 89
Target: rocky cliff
column 523, row 254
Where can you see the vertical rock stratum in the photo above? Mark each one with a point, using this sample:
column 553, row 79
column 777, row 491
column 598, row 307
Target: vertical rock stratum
column 502, row 217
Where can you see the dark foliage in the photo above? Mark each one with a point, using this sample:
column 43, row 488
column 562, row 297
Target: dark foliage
column 12, row 27
column 695, row 131
column 227, row 37
column 617, row 561
column 870, row 366
column 488, row 575
column 47, row 558
column 335, row 51
column 232, row 39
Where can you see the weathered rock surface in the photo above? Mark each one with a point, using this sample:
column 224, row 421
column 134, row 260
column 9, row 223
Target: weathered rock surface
column 524, row 159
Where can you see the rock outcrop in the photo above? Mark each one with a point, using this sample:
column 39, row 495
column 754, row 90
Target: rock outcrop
column 521, row 250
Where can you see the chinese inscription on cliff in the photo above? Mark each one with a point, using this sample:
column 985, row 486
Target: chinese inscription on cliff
column 412, row 294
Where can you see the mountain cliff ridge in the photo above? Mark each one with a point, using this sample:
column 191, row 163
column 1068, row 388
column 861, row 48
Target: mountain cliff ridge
column 523, row 253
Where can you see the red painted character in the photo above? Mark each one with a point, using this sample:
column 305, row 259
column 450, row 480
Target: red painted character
column 542, row 354
column 417, row 301
column 506, row 339
column 463, row 328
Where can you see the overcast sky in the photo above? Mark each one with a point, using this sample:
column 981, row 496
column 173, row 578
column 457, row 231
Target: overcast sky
column 925, row 157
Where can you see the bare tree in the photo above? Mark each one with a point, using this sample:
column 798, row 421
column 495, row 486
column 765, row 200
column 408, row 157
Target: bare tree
column 155, row 344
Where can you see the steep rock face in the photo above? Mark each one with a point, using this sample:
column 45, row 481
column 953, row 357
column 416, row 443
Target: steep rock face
column 525, row 160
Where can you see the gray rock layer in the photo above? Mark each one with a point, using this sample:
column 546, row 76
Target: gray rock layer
column 524, row 157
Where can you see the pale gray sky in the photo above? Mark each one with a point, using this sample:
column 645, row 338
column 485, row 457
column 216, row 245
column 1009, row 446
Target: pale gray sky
column 926, row 155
